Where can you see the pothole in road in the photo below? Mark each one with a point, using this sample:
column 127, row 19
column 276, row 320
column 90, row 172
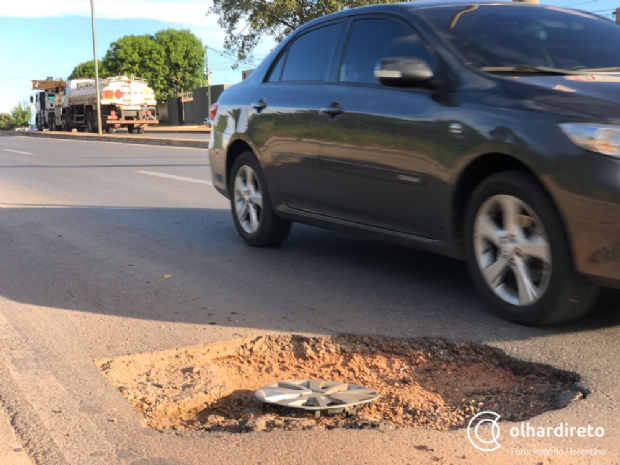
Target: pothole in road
column 429, row 383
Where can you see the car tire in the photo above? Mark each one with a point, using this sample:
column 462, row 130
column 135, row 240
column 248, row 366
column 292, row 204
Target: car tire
column 257, row 224
column 532, row 291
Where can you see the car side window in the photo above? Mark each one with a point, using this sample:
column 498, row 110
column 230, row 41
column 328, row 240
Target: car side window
column 371, row 40
column 309, row 55
column 276, row 71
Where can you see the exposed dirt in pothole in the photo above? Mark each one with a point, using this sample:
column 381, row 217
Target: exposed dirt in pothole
column 428, row 383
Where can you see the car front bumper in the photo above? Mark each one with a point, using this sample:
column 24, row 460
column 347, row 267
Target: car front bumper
column 586, row 187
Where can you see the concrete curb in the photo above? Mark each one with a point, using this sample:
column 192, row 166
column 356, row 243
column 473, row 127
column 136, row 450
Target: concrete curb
column 178, row 131
column 194, row 143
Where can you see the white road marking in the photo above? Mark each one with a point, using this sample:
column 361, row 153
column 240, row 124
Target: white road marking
column 16, row 151
column 178, row 178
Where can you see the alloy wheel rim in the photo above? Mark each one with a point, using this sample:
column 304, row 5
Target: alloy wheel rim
column 512, row 250
column 248, row 198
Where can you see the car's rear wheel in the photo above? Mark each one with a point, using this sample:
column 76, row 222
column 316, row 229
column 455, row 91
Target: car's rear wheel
column 251, row 207
column 518, row 253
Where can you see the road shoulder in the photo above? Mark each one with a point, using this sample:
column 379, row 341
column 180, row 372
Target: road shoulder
column 11, row 450
column 154, row 140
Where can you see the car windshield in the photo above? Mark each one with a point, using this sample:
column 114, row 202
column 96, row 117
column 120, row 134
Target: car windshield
column 516, row 35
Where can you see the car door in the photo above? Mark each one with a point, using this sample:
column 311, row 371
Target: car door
column 286, row 125
column 379, row 154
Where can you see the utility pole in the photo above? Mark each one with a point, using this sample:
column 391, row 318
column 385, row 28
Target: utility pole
column 92, row 11
column 208, row 76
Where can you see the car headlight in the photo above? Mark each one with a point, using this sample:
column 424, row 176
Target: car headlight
column 601, row 138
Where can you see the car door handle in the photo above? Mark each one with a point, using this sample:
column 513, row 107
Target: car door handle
column 260, row 105
column 333, row 110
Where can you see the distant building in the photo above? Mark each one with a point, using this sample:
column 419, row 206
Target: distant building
column 190, row 108
column 245, row 74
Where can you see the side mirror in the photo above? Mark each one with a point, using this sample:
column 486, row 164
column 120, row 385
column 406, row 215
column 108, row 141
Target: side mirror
column 404, row 72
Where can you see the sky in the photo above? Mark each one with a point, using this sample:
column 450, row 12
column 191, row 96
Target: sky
column 41, row 38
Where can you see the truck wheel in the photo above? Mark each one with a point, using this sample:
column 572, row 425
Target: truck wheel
column 140, row 130
column 131, row 129
column 90, row 122
column 109, row 130
column 52, row 123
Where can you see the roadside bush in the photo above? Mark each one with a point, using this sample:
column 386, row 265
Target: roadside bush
column 6, row 122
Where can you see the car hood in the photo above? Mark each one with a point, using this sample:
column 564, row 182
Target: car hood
column 597, row 96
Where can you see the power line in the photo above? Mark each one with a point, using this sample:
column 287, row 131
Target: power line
column 224, row 55
column 580, row 3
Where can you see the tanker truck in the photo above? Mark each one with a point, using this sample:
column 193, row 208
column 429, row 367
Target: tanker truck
column 125, row 102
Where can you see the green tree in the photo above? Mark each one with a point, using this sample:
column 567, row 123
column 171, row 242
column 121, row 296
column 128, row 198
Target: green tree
column 246, row 22
column 6, row 122
column 21, row 115
column 139, row 56
column 86, row 70
column 184, row 59
column 171, row 61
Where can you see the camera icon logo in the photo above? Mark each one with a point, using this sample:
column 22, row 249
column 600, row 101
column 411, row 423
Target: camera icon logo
column 483, row 439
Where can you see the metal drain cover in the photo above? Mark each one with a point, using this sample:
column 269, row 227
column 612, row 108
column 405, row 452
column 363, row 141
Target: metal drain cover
column 317, row 396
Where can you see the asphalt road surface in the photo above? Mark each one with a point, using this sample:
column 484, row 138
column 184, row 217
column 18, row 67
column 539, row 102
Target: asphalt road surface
column 88, row 231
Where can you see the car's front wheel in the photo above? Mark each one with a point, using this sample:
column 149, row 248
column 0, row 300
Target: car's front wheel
column 251, row 207
column 518, row 253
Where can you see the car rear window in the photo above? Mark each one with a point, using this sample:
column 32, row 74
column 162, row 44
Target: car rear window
column 276, row 70
column 309, row 56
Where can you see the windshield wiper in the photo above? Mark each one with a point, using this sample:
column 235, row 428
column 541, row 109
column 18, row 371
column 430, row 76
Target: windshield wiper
column 600, row 70
column 528, row 70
